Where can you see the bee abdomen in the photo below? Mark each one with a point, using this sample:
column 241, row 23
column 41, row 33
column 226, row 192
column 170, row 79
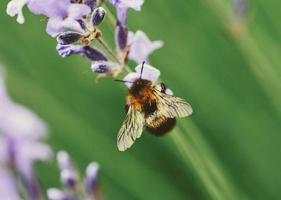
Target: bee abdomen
column 161, row 126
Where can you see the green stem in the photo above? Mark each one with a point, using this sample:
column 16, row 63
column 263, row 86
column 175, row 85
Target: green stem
column 108, row 49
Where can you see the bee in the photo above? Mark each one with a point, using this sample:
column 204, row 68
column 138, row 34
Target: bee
column 152, row 107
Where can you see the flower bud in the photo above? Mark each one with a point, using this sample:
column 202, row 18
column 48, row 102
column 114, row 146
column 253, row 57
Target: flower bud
column 104, row 67
column 69, row 178
column 121, row 36
column 98, row 16
column 93, row 54
column 92, row 178
column 68, row 37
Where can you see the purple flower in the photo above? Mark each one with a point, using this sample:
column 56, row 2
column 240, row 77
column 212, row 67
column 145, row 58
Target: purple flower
column 21, row 131
column 71, row 180
column 141, row 47
column 122, row 7
column 62, row 14
column 149, row 73
column 15, row 7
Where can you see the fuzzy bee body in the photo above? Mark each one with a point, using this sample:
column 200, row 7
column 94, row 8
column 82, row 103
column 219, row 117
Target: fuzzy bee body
column 141, row 96
column 149, row 107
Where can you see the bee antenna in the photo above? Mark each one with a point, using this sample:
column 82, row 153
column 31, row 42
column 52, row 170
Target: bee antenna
column 142, row 67
column 122, row 81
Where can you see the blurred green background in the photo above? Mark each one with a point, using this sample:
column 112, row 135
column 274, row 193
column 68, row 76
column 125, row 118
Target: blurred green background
column 231, row 145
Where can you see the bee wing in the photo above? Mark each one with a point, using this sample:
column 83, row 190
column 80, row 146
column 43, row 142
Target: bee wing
column 131, row 129
column 171, row 106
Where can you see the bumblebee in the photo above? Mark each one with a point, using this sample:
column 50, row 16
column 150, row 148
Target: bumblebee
column 151, row 107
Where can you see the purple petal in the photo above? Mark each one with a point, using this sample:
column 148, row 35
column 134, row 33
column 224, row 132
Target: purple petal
column 49, row 8
column 149, row 73
column 55, row 26
column 27, row 152
column 141, row 47
column 77, row 11
column 8, row 188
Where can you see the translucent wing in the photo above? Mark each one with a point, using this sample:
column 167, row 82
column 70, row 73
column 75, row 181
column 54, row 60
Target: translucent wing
column 131, row 129
column 171, row 106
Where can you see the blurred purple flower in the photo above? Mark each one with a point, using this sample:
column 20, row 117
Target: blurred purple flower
column 20, row 132
column 15, row 7
column 91, row 179
column 70, row 178
column 141, row 47
column 62, row 14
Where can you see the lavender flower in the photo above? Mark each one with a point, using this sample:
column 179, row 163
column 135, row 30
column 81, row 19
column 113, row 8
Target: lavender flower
column 15, row 7
column 62, row 14
column 71, row 182
column 141, row 47
column 20, row 132
column 122, row 7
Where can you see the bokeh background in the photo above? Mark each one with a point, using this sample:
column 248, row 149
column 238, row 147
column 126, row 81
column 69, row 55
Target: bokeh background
column 227, row 67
